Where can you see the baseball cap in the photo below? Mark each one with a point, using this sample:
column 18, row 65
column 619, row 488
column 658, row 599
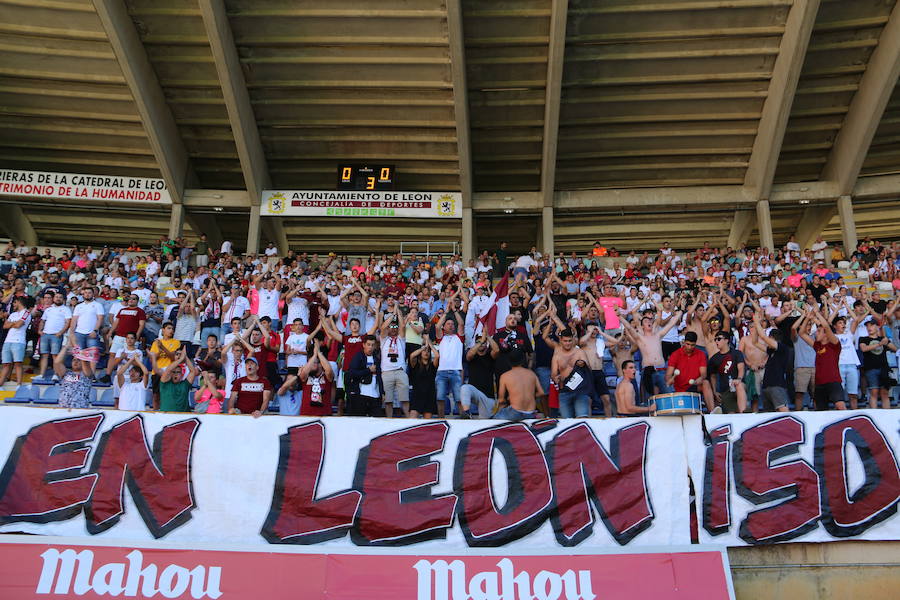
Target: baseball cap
column 250, row 358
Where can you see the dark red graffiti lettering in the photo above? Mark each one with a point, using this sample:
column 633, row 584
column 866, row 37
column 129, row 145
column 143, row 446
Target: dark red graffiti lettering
column 583, row 472
column 847, row 514
column 394, row 473
column 795, row 482
column 528, row 484
column 717, row 482
column 41, row 481
column 296, row 515
column 159, row 480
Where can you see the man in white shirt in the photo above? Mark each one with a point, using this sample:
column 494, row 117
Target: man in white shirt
column 393, row 365
column 271, row 255
column 54, row 323
column 295, row 347
column 449, row 373
column 87, row 318
column 142, row 292
column 235, row 306
column 226, row 247
column 818, row 248
column 16, row 325
column 268, row 303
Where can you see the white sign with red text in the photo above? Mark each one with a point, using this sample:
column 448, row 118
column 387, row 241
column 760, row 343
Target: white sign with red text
column 74, row 186
column 795, row 477
column 341, row 483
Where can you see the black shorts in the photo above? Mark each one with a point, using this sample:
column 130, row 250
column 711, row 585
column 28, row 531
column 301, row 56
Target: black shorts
column 828, row 393
column 600, row 385
column 154, row 383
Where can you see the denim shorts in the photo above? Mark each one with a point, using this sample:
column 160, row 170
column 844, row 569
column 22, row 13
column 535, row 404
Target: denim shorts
column 51, row 343
column 877, row 378
column 13, row 352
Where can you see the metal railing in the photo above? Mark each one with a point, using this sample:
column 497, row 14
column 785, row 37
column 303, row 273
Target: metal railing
column 429, row 248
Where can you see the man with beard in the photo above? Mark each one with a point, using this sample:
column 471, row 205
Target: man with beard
column 54, row 323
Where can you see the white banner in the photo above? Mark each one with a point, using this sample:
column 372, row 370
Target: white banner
column 74, row 186
column 310, row 203
column 800, row 477
column 344, row 482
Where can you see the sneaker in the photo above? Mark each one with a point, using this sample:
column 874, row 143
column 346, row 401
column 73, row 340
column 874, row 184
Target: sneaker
column 55, row 378
column 717, row 410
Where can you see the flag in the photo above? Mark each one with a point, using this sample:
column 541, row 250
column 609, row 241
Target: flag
column 493, row 315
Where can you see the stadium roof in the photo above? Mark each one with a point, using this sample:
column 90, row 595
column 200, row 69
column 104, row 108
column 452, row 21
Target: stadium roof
column 636, row 121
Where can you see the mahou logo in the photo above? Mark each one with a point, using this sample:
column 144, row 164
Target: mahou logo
column 68, row 573
column 440, row 580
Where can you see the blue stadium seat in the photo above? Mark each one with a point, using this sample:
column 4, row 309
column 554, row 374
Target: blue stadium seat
column 106, row 399
column 50, row 396
column 25, row 394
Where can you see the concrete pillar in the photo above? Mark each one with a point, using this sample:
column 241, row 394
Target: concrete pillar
column 176, row 221
column 253, row 231
column 17, row 226
column 468, row 235
column 741, row 227
column 546, row 245
column 764, row 225
column 848, row 224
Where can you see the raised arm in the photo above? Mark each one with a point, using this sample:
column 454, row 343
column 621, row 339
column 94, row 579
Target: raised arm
column 761, row 333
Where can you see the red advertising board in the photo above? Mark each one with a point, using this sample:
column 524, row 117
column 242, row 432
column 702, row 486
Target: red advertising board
column 64, row 568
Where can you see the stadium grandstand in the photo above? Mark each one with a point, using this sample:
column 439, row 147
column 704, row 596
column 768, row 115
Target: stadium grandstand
column 652, row 247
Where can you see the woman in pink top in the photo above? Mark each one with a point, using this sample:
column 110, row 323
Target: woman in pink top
column 210, row 392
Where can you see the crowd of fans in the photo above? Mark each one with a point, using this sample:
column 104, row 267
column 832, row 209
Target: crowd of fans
column 196, row 328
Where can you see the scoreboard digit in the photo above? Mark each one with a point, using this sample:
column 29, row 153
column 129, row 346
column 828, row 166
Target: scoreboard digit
column 366, row 177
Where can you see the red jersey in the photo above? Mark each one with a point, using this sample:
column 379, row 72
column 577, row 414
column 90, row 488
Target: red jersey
column 316, row 401
column 334, row 350
column 274, row 340
column 827, row 356
column 688, row 367
column 129, row 320
column 250, row 393
column 353, row 345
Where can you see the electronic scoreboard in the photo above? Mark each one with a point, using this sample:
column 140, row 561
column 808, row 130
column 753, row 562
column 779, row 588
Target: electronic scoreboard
column 366, row 177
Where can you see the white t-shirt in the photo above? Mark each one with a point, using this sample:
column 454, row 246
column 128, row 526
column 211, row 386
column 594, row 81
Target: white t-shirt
column 298, row 308
column 237, row 309
column 86, row 315
column 268, row 303
column 451, row 351
column 272, row 251
column 393, row 345
column 143, row 295
column 226, row 247
column 848, row 349
column 17, row 335
column 133, row 396
column 230, row 374
column 54, row 318
column 672, row 334
column 296, row 341
column 369, row 389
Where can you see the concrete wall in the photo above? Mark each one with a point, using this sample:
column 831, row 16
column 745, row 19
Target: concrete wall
column 832, row 571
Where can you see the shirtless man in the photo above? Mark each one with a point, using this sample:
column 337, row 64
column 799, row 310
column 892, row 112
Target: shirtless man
column 755, row 357
column 519, row 388
column 623, row 350
column 649, row 342
column 574, row 400
column 626, row 392
column 594, row 344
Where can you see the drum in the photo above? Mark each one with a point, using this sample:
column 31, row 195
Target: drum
column 677, row 404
